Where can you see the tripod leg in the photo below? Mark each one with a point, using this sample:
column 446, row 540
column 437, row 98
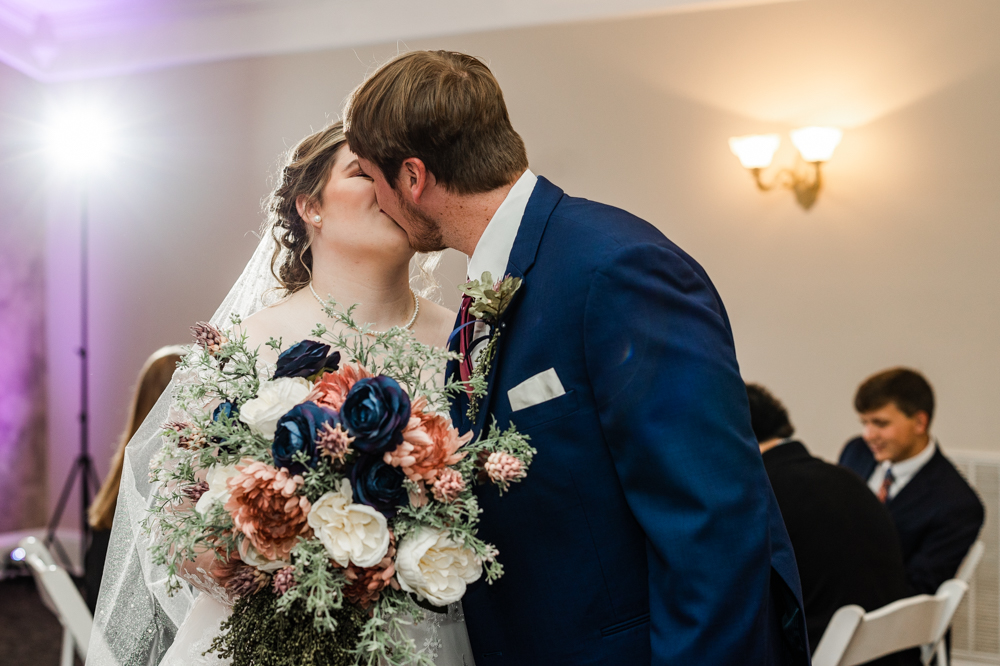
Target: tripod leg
column 50, row 538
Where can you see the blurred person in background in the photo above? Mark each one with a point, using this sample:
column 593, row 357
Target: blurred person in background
column 936, row 513
column 844, row 541
column 153, row 379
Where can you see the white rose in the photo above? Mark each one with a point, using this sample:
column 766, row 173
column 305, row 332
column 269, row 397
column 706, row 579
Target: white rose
column 251, row 556
column 434, row 567
column 351, row 533
column 273, row 401
column 218, row 490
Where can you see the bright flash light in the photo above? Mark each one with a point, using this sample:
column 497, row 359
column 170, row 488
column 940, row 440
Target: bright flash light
column 80, row 139
column 18, row 554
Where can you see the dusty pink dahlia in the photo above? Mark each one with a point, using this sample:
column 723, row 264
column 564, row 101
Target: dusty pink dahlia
column 267, row 509
column 430, row 444
column 366, row 585
column 331, row 389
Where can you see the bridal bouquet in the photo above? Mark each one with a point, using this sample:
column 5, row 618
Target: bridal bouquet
column 329, row 496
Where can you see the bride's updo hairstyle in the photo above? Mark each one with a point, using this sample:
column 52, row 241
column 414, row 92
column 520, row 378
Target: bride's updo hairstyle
column 306, row 172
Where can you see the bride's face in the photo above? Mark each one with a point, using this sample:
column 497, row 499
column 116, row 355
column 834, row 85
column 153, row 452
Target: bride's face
column 351, row 219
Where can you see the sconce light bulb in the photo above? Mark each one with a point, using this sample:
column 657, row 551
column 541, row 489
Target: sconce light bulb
column 816, row 144
column 755, row 151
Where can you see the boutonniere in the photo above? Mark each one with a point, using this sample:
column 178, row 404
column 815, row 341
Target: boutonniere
column 489, row 301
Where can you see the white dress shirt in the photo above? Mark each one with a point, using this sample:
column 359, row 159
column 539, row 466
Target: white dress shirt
column 902, row 472
column 493, row 249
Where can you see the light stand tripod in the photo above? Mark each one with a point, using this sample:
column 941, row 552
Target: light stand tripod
column 83, row 465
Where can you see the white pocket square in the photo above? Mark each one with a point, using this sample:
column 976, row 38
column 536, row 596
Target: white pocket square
column 543, row 386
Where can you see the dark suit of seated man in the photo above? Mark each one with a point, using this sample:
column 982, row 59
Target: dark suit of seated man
column 936, row 513
column 843, row 538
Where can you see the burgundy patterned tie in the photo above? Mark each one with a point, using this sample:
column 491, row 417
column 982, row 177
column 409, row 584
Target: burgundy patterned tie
column 883, row 492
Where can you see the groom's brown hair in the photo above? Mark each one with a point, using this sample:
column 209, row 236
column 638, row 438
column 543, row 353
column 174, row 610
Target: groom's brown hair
column 444, row 108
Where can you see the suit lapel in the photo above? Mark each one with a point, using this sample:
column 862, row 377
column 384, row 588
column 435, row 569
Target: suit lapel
column 919, row 486
column 542, row 202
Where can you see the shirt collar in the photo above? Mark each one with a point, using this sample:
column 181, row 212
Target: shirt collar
column 493, row 249
column 903, row 471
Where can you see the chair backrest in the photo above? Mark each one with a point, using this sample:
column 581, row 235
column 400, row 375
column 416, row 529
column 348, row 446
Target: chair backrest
column 59, row 593
column 855, row 637
column 968, row 567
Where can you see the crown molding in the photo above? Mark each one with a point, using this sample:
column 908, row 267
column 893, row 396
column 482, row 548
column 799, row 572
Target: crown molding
column 65, row 40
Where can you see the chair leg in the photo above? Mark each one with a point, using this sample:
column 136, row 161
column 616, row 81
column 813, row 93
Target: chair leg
column 67, row 648
column 942, row 654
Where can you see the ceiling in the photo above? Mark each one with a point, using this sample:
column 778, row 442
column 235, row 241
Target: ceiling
column 61, row 40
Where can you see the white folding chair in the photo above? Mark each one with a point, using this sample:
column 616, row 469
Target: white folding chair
column 855, row 637
column 58, row 592
column 968, row 566
column 966, row 570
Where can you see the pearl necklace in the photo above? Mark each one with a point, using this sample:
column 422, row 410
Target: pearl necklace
column 407, row 326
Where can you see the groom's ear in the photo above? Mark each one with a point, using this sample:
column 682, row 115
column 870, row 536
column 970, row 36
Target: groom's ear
column 415, row 178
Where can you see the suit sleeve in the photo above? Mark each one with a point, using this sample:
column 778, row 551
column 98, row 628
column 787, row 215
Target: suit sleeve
column 945, row 545
column 674, row 414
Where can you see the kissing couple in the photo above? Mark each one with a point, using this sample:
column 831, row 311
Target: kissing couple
column 646, row 531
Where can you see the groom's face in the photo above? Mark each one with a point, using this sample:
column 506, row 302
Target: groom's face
column 423, row 232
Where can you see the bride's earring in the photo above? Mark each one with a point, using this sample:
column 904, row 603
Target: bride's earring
column 316, row 218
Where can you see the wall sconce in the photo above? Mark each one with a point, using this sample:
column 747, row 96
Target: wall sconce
column 815, row 144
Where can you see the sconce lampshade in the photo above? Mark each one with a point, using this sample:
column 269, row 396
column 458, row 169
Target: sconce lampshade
column 755, row 151
column 816, row 144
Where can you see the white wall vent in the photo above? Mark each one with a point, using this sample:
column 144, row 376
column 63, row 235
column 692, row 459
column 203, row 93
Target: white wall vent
column 976, row 628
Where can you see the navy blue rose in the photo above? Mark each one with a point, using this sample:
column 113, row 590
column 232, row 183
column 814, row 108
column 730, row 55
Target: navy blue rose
column 375, row 412
column 306, row 359
column 296, row 433
column 227, row 409
column 378, row 485
column 230, row 411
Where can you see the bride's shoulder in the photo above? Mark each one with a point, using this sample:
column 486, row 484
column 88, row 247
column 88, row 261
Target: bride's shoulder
column 438, row 322
column 273, row 321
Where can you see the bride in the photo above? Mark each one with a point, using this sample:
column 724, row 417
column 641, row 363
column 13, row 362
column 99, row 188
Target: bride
column 326, row 237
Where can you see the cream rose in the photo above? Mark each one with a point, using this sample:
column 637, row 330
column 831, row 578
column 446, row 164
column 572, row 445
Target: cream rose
column 351, row 533
column 251, row 556
column 218, row 489
column 273, row 401
column 434, row 567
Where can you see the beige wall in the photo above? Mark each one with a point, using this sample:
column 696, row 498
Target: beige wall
column 895, row 264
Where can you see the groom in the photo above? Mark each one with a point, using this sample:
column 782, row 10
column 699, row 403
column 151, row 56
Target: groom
column 646, row 531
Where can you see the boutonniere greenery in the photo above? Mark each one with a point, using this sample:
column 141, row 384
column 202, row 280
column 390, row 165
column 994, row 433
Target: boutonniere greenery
column 489, row 301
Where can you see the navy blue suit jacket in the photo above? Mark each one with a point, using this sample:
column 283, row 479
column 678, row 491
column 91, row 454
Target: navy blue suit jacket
column 937, row 516
column 646, row 531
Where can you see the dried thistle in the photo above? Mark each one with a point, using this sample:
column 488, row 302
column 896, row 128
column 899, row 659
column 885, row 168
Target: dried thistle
column 208, row 337
column 503, row 469
column 284, row 580
column 196, row 490
column 246, row 581
column 189, row 436
column 449, row 485
column 333, row 442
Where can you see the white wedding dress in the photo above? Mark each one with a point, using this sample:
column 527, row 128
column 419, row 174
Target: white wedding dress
column 137, row 613
column 443, row 637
